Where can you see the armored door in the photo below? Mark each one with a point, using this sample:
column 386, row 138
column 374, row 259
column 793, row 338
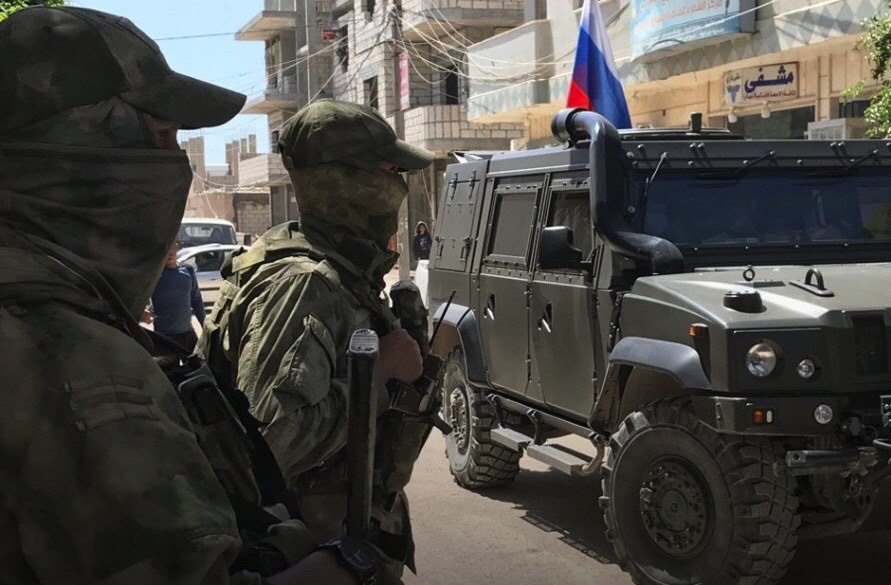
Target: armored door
column 504, row 281
column 562, row 312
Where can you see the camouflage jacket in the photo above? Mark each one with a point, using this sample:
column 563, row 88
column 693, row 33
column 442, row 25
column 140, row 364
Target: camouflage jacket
column 282, row 324
column 101, row 477
column 288, row 320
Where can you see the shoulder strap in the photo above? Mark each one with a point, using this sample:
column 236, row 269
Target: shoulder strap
column 263, row 464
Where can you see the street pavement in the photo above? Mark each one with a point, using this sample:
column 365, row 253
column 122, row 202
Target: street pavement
column 546, row 529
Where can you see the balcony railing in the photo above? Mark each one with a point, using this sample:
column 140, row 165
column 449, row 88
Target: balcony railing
column 283, row 84
column 277, row 15
column 445, row 128
column 439, row 17
column 280, row 5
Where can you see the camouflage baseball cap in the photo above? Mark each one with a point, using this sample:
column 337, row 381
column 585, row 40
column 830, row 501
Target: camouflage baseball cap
column 55, row 59
column 333, row 131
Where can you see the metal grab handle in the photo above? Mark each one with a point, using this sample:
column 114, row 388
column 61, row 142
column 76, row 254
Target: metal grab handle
column 817, row 275
column 490, row 307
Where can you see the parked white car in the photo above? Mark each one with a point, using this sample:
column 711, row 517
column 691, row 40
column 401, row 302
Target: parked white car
column 206, row 261
column 421, row 278
column 196, row 231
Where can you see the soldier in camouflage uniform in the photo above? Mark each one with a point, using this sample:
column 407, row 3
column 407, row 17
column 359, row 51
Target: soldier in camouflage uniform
column 102, row 479
column 281, row 326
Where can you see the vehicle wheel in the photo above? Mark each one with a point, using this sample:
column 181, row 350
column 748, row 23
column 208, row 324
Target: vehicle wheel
column 685, row 505
column 474, row 460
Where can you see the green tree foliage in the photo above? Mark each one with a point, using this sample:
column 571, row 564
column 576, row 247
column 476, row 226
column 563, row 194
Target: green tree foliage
column 7, row 7
column 876, row 42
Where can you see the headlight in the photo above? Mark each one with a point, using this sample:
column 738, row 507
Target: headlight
column 761, row 359
column 806, row 368
column 823, row 414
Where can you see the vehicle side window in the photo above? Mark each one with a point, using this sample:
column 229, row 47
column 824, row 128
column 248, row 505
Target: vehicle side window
column 512, row 225
column 191, row 262
column 209, row 261
column 200, row 234
column 572, row 209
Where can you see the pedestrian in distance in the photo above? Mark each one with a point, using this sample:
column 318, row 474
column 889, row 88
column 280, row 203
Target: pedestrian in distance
column 422, row 242
column 282, row 324
column 175, row 299
column 102, row 477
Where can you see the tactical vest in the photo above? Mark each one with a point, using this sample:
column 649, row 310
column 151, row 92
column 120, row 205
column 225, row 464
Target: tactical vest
column 400, row 437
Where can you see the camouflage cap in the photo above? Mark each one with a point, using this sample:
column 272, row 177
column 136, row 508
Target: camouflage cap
column 55, row 59
column 333, row 131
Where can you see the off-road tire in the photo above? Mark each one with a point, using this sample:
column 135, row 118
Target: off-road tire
column 475, row 461
column 737, row 502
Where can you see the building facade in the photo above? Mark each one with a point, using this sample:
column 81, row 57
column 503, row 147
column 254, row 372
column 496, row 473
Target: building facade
column 218, row 191
column 765, row 68
column 407, row 59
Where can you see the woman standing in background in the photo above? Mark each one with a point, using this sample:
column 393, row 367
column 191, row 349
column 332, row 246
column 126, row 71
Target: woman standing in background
column 422, row 242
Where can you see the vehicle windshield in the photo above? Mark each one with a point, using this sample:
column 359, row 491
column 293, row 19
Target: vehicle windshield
column 768, row 207
column 198, row 234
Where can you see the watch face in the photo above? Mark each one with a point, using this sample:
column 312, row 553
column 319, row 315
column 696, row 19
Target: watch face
column 357, row 554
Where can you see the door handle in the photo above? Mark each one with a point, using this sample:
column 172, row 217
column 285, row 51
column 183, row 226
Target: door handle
column 544, row 324
column 490, row 307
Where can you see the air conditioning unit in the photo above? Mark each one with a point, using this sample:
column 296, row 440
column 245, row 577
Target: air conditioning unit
column 838, row 129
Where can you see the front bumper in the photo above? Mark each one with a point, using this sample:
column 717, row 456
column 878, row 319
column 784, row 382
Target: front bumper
column 794, row 415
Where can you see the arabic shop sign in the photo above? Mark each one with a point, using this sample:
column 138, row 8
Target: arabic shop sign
column 668, row 26
column 760, row 84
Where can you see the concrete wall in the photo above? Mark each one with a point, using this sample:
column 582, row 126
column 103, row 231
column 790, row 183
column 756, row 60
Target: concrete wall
column 252, row 217
column 261, row 170
column 211, row 204
column 441, row 128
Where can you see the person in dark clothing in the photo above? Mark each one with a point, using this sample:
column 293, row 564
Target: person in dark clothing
column 422, row 242
column 176, row 298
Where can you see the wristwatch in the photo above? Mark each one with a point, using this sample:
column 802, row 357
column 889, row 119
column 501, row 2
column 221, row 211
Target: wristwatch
column 355, row 556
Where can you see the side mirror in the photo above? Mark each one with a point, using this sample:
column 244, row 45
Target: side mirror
column 556, row 250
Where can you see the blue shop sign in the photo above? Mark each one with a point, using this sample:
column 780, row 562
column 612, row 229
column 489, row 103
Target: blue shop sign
column 673, row 25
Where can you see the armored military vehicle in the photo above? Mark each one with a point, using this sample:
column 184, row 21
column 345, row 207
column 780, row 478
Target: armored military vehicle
column 711, row 312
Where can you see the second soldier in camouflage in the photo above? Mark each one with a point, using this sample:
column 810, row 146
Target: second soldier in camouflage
column 281, row 326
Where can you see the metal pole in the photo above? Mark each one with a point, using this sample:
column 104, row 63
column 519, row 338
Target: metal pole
column 361, row 427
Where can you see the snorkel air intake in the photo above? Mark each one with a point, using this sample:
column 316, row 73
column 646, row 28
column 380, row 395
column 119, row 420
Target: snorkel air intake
column 607, row 185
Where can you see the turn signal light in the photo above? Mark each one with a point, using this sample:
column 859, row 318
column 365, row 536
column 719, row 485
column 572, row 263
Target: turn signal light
column 698, row 330
column 763, row 416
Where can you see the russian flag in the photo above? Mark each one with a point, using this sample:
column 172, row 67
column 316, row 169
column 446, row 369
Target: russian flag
column 595, row 82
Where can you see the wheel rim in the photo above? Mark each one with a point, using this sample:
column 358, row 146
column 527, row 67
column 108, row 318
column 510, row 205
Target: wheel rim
column 676, row 508
column 458, row 418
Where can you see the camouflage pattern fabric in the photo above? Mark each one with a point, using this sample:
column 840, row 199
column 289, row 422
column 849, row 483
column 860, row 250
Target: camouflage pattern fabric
column 56, row 59
column 284, row 321
column 111, row 123
column 101, row 478
column 109, row 196
column 370, row 208
column 328, row 131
